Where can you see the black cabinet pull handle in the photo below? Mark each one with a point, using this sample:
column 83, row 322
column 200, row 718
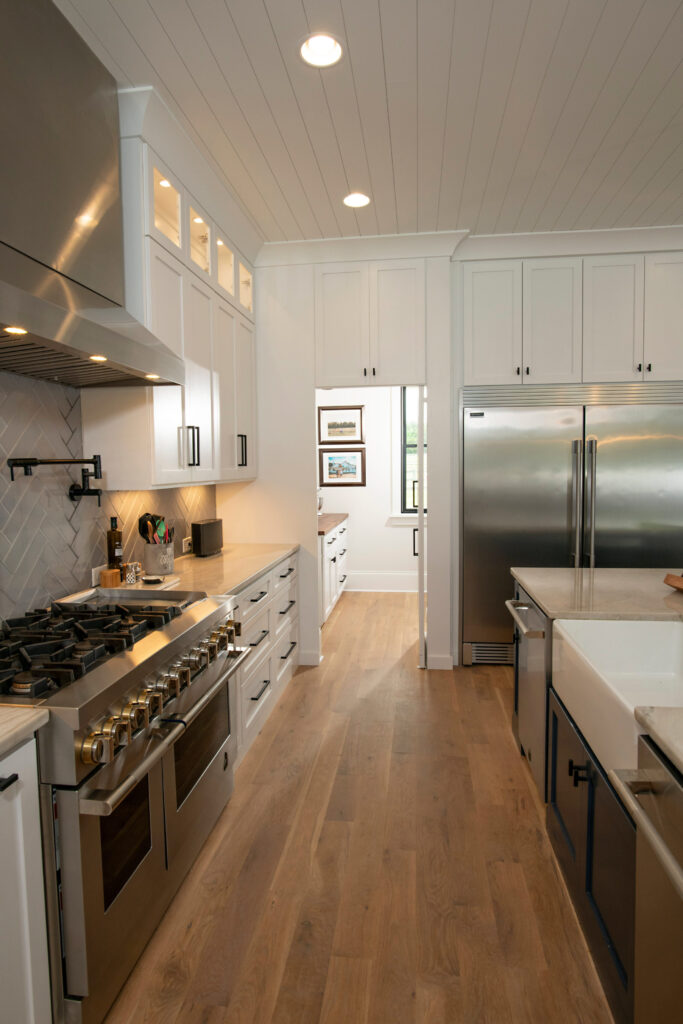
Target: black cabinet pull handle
column 266, row 684
column 571, row 766
column 283, row 657
column 342, row 531
column 639, row 367
column 332, row 540
column 334, row 559
column 290, row 605
column 8, row 781
column 365, row 371
column 518, row 371
column 415, row 541
column 373, row 371
column 527, row 371
column 649, row 367
column 199, row 458
column 264, row 634
column 193, row 460
column 255, row 600
column 579, row 777
column 243, row 450
column 414, row 497
column 342, row 579
column 284, row 575
column 342, row 553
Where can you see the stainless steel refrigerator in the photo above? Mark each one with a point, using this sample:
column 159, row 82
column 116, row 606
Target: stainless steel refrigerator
column 566, row 485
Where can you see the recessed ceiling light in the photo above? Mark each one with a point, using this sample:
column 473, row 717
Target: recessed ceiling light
column 98, row 359
column 356, row 199
column 219, row 242
column 198, row 220
column 15, row 330
column 165, row 183
column 321, row 50
column 151, row 376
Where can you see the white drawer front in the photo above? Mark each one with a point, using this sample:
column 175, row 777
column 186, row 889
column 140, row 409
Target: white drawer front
column 286, row 653
column 256, row 695
column 285, row 607
column 251, row 600
column 283, row 573
column 257, row 631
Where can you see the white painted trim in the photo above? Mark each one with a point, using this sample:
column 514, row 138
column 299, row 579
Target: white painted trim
column 310, row 658
column 383, row 582
column 403, row 519
column 440, row 661
column 570, row 243
column 366, row 247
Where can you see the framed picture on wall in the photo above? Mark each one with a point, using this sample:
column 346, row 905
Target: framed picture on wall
column 340, row 424
column 342, row 467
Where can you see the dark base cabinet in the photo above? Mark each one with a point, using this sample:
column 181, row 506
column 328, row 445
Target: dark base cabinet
column 595, row 843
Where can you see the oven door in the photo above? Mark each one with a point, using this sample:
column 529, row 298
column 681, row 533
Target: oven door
column 198, row 769
column 111, row 872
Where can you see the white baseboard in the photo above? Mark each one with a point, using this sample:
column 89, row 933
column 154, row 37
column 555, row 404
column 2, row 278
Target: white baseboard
column 309, row 657
column 383, row 581
column 440, row 661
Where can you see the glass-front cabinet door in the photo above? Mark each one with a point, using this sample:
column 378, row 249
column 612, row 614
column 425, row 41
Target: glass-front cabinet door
column 200, row 240
column 225, row 266
column 166, row 207
column 246, row 295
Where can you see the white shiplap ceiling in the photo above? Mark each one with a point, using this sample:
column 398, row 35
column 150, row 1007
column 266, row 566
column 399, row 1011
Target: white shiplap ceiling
column 493, row 116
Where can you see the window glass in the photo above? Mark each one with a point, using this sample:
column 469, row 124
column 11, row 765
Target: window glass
column 409, row 415
column 226, row 266
column 200, row 241
column 166, row 207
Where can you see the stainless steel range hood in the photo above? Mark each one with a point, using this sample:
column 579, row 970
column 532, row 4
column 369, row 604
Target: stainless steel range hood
column 61, row 236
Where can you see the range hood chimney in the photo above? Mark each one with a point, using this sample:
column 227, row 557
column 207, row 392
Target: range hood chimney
column 61, row 235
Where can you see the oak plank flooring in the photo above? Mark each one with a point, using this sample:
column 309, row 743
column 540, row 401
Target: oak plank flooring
column 383, row 859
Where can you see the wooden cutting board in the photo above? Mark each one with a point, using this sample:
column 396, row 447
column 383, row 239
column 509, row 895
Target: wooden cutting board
column 674, row 581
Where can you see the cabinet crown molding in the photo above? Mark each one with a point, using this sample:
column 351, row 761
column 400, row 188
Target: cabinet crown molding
column 367, row 247
column 570, row 243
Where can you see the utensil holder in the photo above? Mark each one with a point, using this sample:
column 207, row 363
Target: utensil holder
column 157, row 559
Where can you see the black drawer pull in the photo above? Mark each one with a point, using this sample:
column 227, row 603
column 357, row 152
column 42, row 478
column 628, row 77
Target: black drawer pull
column 342, row 579
column 342, row 553
column 639, row 367
column 649, row 367
column 243, row 450
column 290, row 605
column 283, row 657
column 579, row 777
column 332, row 541
column 255, row 600
column 8, row 781
column 266, row 684
column 342, row 531
column 334, row 559
column 284, row 575
column 264, row 634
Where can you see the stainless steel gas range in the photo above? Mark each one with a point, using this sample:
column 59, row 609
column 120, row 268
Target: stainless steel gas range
column 135, row 767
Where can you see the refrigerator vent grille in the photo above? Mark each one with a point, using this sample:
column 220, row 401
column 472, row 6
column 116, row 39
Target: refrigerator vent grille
column 493, row 654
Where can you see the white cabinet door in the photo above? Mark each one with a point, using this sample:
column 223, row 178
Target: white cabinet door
column 165, row 296
column 612, row 318
column 168, row 449
column 397, row 322
column 198, row 331
column 245, row 399
column 492, row 301
column 552, row 323
column 663, row 349
column 224, row 390
column 342, row 325
column 24, row 974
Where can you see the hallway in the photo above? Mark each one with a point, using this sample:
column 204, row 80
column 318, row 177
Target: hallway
column 383, row 859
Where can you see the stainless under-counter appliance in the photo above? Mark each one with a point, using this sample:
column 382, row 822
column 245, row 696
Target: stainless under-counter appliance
column 533, row 668
column 135, row 766
column 564, row 482
column 653, row 794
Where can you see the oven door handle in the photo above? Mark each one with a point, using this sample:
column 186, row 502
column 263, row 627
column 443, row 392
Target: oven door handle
column 102, row 803
column 526, row 631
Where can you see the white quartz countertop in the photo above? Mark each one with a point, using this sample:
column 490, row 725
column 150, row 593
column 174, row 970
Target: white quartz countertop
column 234, row 568
column 18, row 725
column 602, row 593
column 665, row 728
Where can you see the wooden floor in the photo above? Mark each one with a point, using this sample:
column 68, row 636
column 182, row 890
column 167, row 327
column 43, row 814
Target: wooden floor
column 383, row 859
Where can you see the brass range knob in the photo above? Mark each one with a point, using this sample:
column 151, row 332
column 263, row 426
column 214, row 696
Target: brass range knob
column 179, row 676
column 97, row 749
column 153, row 699
column 117, row 730
column 136, row 712
column 210, row 647
column 196, row 658
column 221, row 639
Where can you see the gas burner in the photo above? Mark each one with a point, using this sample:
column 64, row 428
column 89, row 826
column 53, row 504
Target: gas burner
column 26, row 684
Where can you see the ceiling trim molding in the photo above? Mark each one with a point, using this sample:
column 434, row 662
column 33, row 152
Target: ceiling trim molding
column 366, row 247
column 571, row 243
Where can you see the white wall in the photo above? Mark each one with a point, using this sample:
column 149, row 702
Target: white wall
column 380, row 555
column 280, row 505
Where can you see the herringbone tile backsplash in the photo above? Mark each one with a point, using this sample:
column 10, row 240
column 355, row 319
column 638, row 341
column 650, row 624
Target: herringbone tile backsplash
column 48, row 543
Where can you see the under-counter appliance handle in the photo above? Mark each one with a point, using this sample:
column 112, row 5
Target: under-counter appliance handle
column 591, row 470
column 577, row 476
column 627, row 782
column 103, row 805
column 514, row 607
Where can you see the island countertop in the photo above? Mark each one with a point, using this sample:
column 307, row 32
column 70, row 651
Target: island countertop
column 602, row 593
column 18, row 725
column 665, row 727
column 234, row 568
column 328, row 521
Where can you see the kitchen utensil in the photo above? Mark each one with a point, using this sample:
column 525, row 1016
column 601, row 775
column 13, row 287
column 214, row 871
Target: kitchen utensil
column 157, row 559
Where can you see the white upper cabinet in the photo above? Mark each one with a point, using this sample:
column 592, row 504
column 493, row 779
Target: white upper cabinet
column 164, row 299
column 397, row 322
column 613, row 318
column 370, row 323
column 199, row 411
column 245, row 399
column 663, row 354
column 342, row 324
column 224, row 390
column 492, row 309
column 551, row 321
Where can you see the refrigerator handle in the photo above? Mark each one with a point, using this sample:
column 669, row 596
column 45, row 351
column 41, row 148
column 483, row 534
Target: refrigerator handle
column 577, row 450
column 592, row 455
